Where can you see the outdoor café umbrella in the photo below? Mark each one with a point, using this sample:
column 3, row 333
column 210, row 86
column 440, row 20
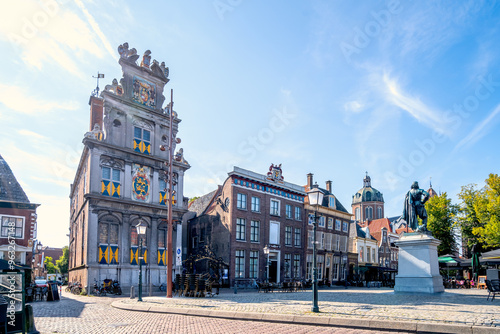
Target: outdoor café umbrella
column 476, row 253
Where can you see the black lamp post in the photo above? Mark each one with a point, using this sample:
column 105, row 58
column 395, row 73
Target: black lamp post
column 266, row 251
column 315, row 197
column 141, row 231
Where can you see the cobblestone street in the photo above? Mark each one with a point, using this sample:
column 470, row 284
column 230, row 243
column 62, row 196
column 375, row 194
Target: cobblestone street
column 82, row 314
column 467, row 307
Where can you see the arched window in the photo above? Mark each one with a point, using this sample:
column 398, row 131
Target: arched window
column 368, row 196
column 379, row 212
column 368, row 213
column 357, row 216
column 108, row 240
column 162, row 246
column 135, row 242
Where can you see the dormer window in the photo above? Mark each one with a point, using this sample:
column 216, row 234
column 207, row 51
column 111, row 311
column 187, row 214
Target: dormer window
column 331, row 202
column 142, row 140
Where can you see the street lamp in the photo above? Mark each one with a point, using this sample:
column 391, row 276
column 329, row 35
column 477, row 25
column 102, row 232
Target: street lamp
column 141, row 231
column 266, row 251
column 170, row 182
column 315, row 197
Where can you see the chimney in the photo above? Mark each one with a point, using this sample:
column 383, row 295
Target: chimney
column 329, row 186
column 309, row 180
column 96, row 111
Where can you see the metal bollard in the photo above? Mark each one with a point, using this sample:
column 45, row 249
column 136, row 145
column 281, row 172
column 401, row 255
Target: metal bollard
column 30, row 320
column 235, row 289
column 132, row 295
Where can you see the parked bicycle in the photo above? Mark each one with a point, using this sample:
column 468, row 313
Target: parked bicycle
column 98, row 290
column 76, row 288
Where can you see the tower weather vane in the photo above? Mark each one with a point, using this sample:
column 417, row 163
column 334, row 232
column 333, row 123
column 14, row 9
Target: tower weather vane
column 95, row 92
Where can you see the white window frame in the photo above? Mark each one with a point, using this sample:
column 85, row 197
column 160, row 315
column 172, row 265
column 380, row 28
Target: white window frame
column 288, row 211
column 253, row 270
column 330, row 223
column 322, row 220
column 241, row 201
column 288, row 236
column 297, row 213
column 299, row 239
column 338, row 224
column 12, row 236
column 255, row 205
column 239, row 264
column 345, row 227
column 277, row 237
column 241, row 226
column 271, row 208
column 254, row 225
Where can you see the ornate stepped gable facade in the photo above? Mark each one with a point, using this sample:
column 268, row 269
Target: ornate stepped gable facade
column 17, row 218
column 120, row 180
column 334, row 259
column 235, row 223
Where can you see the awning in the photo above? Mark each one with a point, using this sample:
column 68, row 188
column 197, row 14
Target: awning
column 491, row 257
column 447, row 260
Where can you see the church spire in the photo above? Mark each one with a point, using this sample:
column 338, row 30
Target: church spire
column 367, row 181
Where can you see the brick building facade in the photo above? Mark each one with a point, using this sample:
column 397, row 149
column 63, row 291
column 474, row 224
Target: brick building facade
column 332, row 236
column 17, row 219
column 249, row 213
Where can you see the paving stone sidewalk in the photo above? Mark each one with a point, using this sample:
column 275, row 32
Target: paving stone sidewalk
column 454, row 311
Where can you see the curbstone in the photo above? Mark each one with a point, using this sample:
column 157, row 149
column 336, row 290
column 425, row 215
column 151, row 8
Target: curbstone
column 350, row 322
column 485, row 330
column 277, row 317
column 311, row 320
column 428, row 327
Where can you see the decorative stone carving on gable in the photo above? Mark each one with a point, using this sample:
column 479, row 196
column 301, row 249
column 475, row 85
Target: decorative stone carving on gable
column 114, row 88
column 111, row 162
column 141, row 123
column 275, row 173
column 125, row 53
column 95, row 134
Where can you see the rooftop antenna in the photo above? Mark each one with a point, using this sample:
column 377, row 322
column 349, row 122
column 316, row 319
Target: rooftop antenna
column 95, row 92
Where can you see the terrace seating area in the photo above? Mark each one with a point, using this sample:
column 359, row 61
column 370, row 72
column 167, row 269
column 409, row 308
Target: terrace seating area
column 193, row 285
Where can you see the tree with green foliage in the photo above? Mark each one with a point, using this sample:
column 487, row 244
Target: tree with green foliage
column 49, row 266
column 441, row 215
column 487, row 210
column 467, row 219
column 63, row 262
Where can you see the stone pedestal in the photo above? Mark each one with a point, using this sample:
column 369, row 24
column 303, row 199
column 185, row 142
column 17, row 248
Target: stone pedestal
column 418, row 268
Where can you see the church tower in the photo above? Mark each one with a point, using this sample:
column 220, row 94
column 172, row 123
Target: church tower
column 367, row 203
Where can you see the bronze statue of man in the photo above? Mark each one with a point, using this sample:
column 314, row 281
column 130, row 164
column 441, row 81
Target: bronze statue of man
column 415, row 207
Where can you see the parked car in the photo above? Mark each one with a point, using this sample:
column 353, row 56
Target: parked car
column 41, row 283
column 55, row 282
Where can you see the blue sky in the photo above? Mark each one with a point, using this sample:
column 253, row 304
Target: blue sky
column 406, row 91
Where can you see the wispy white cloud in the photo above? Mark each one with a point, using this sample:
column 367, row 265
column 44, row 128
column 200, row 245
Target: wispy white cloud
column 59, row 36
column 423, row 113
column 479, row 131
column 426, row 31
column 353, row 106
column 29, row 133
column 17, row 98
column 96, row 28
